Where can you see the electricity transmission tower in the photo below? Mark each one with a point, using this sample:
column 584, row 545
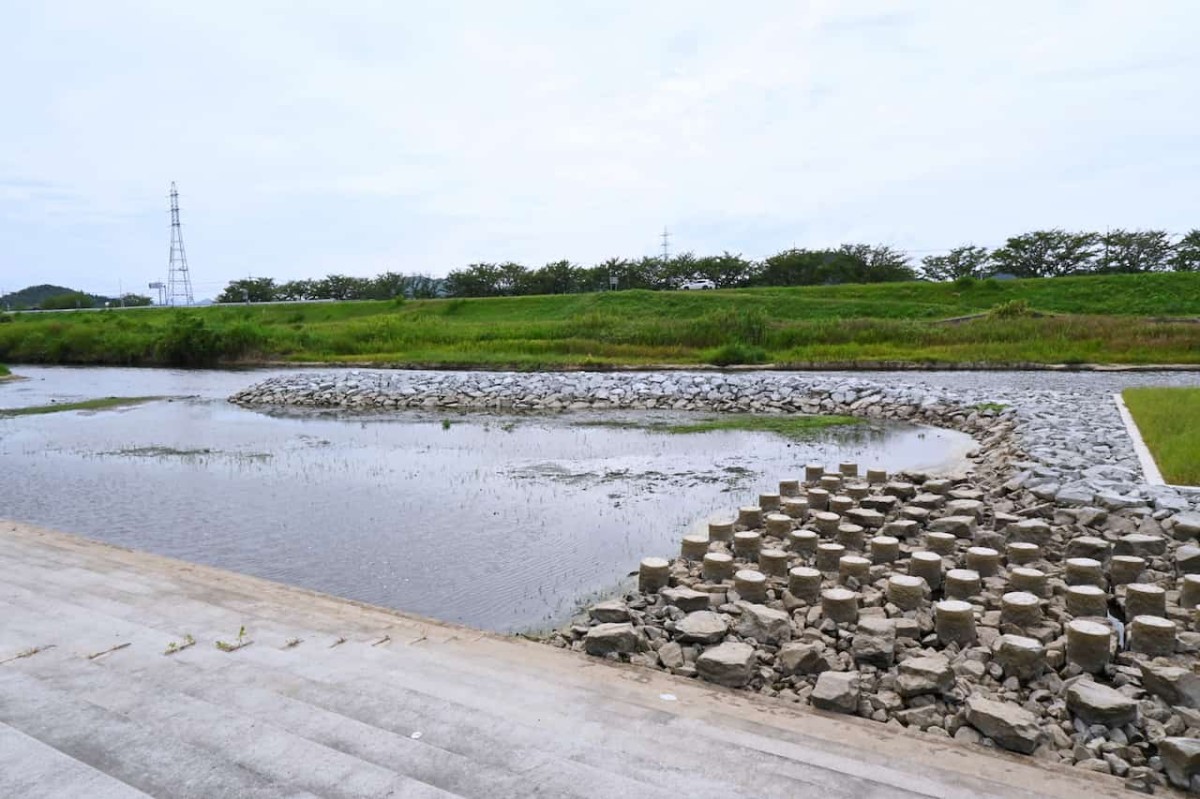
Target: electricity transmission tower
column 179, row 282
column 666, row 246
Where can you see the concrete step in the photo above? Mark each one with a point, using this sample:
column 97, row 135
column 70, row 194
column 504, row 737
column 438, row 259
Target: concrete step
column 31, row 769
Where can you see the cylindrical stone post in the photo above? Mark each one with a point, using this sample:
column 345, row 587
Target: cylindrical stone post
column 1020, row 657
column 818, row 499
column 857, row 491
column 789, row 488
column 885, row 549
column 1020, row 609
column 778, row 524
column 850, row 536
column 905, row 591
column 941, row 543
column 796, row 507
column 1189, row 591
column 1087, row 600
column 955, row 622
column 828, row 555
column 813, row 472
column 854, row 566
column 827, row 522
column 1084, row 571
column 848, row 469
column 720, row 531
column 877, row 476
column 831, row 482
column 773, row 562
column 839, row 503
column 1152, row 635
column 1089, row 644
column 694, row 547
column 653, row 575
column 840, row 604
column 768, row 502
column 750, row 517
column 717, row 566
column 751, row 585
column 1145, row 599
column 962, row 583
column 1022, row 552
column 804, row 583
column 927, row 566
column 1125, row 569
column 747, row 545
column 984, row 560
column 1031, row 581
column 803, row 542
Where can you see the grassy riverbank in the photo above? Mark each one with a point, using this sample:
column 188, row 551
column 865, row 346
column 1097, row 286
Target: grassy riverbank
column 101, row 404
column 1117, row 319
column 1169, row 421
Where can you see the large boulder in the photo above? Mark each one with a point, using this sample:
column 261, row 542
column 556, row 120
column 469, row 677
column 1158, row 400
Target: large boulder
column 874, row 641
column 763, row 624
column 1181, row 759
column 924, row 675
column 836, row 691
column 1009, row 725
column 1098, row 704
column 701, row 627
column 729, row 664
column 604, row 639
column 1176, row 686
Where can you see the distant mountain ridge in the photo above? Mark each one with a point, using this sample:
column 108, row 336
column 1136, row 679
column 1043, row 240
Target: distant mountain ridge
column 34, row 296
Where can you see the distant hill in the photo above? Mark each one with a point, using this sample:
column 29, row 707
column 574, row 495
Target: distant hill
column 34, row 296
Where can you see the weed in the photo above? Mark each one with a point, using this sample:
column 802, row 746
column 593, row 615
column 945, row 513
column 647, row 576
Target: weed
column 242, row 641
column 446, row 424
column 1011, row 309
column 990, row 406
column 174, row 647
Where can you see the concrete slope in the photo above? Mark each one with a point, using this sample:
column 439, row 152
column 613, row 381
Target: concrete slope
column 334, row 698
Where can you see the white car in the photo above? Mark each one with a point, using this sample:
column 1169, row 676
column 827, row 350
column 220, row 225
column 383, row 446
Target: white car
column 698, row 285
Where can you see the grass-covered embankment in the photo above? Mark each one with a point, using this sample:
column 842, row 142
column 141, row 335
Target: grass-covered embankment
column 100, row 404
column 1169, row 421
column 1118, row 319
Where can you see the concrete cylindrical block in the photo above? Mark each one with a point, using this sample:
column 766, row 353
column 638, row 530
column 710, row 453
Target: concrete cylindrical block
column 851, row 536
column 1032, row 581
column 955, row 622
column 941, row 543
column 694, row 547
column 854, row 566
column 720, row 531
column 1020, row 609
column 1020, row 657
column 1087, row 600
column 1022, row 552
column 796, row 507
column 828, row 555
column 803, row 542
column 804, row 583
column 1089, row 644
column 1189, row 591
column 747, row 544
column 751, row 585
column 717, row 566
column 962, row 583
column 827, row 522
column 750, row 517
column 813, row 472
column 818, row 499
column 984, row 560
column 778, row 524
column 1145, row 599
column 768, row 502
column 877, row 476
column 831, row 482
column 773, row 562
column 927, row 566
column 1124, row 569
column 1085, row 571
column 653, row 575
column 905, row 591
column 789, row 488
column 1152, row 635
column 840, row 604
column 884, row 549
column 857, row 491
column 848, row 469
column 840, row 503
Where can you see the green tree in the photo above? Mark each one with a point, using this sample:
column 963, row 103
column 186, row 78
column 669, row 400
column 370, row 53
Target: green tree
column 969, row 261
column 1047, row 253
column 297, row 290
column 1185, row 255
column 250, row 289
column 72, row 299
column 557, row 277
column 1129, row 251
column 134, row 300
column 793, row 268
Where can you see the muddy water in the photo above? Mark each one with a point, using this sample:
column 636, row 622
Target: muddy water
column 501, row 522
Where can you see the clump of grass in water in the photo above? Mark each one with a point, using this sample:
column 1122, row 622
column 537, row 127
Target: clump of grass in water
column 102, row 404
column 991, row 406
column 786, row 426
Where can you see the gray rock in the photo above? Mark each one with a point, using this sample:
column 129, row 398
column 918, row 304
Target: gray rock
column 874, row 642
column 612, row 611
column 959, row 526
column 686, row 599
column 1187, row 559
column 763, row 624
column 1187, row 525
column 930, row 674
column 1181, row 760
column 1140, row 545
column 1098, row 704
column 1175, row 685
column 802, row 658
column 701, row 627
column 836, row 691
column 1075, row 495
column 1009, row 725
column 670, row 655
column 607, row 638
column 730, row 664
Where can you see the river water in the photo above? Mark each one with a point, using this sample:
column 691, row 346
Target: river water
column 505, row 522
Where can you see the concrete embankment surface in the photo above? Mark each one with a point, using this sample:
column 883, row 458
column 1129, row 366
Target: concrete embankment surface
column 90, row 704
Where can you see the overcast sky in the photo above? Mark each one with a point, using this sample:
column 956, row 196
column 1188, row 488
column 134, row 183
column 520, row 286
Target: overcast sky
column 358, row 137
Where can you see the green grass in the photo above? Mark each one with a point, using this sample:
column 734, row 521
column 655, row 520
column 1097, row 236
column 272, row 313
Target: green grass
column 1169, row 421
column 4, row 371
column 794, row 426
column 1120, row 319
column 102, row 404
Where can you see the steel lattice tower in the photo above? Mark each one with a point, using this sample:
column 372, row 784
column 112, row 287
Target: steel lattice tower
column 179, row 281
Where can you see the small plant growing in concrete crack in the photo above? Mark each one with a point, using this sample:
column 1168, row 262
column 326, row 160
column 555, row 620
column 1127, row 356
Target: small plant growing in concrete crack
column 242, row 641
column 27, row 653
column 292, row 643
column 341, row 640
column 109, row 651
column 174, row 646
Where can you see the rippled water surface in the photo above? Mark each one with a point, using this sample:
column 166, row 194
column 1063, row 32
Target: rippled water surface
column 502, row 522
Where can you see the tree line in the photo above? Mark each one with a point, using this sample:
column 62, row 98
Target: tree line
column 1042, row 253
